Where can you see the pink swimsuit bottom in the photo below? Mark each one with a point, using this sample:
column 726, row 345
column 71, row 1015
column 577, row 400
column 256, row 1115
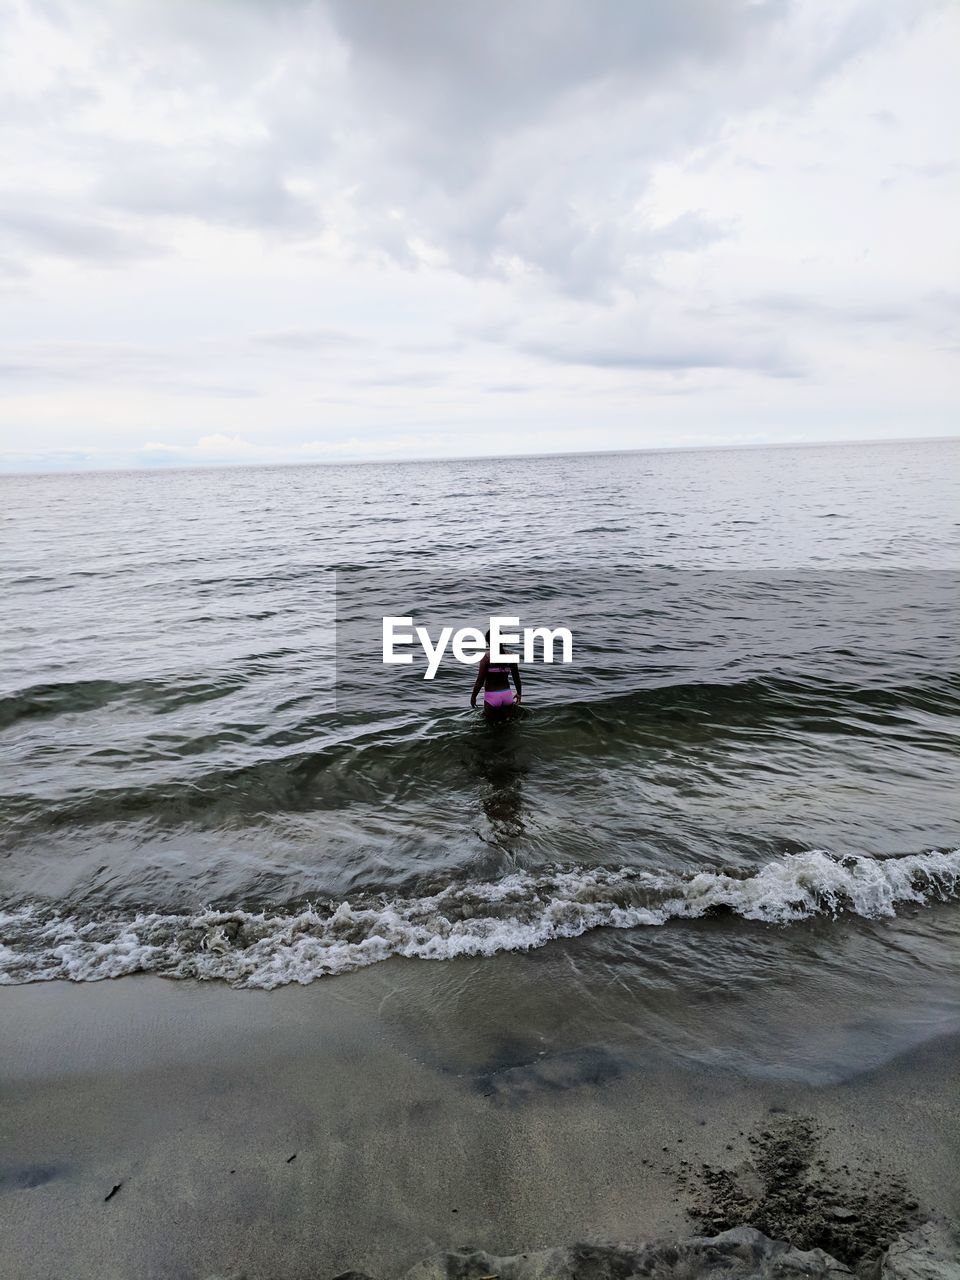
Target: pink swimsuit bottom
column 501, row 698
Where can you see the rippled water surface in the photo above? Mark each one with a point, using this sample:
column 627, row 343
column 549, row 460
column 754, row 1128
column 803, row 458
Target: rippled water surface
column 735, row 811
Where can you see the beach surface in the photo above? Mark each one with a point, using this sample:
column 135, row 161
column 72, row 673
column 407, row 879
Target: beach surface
column 173, row 1129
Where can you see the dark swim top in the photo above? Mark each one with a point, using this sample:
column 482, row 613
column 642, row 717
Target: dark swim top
column 498, row 676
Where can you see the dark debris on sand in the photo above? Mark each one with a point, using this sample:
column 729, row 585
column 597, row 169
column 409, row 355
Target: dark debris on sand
column 782, row 1214
column 742, row 1253
column 786, row 1190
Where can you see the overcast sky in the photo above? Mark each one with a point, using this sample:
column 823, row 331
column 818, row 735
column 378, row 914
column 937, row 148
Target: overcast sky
column 292, row 230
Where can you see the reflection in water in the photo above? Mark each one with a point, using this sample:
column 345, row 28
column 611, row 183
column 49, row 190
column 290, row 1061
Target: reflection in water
column 500, row 770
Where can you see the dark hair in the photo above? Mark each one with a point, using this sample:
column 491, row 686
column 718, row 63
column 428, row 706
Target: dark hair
column 487, row 637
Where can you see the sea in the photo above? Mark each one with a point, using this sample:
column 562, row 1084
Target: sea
column 726, row 831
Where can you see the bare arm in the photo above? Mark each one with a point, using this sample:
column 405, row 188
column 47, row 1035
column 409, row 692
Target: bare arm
column 516, row 681
column 481, row 676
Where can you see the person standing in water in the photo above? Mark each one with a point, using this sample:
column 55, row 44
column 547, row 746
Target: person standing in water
column 494, row 679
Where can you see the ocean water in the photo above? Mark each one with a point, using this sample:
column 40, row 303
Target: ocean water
column 728, row 831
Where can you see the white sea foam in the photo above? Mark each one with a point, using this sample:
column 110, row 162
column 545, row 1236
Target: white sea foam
column 520, row 912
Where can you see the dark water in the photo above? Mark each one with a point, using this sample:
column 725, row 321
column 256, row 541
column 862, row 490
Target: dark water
column 729, row 829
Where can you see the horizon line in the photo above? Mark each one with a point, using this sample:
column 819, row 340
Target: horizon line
column 388, row 460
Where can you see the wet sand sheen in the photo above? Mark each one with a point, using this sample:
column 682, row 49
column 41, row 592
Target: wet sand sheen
column 304, row 1131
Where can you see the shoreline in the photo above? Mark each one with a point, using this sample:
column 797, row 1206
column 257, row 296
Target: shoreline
column 157, row 1128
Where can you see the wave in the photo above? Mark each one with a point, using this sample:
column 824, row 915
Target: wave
column 76, row 696
column 740, row 697
column 756, row 701
column 313, row 757
column 59, row 699
column 517, row 913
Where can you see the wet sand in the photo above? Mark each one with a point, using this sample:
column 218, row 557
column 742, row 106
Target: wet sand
column 161, row 1129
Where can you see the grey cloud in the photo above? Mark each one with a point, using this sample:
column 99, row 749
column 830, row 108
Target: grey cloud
column 12, row 270
column 692, row 230
column 504, row 133
column 81, row 361
column 480, row 69
column 629, row 341
column 653, row 356
column 526, row 134
column 931, row 315
column 934, row 169
column 507, row 138
column 13, row 370
column 790, row 304
column 238, row 186
column 28, row 110
column 588, row 256
column 313, row 340
column 68, row 235
column 428, row 348
column 106, row 364
column 424, row 378
column 201, row 387
column 947, row 300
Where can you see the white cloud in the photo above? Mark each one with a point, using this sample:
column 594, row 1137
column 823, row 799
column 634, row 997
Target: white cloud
column 313, row 228
column 216, row 445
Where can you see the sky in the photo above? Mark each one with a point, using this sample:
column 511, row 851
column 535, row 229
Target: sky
column 264, row 231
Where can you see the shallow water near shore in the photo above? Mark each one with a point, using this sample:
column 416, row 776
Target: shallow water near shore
column 715, row 829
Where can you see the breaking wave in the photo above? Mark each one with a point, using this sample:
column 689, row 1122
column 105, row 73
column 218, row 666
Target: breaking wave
column 518, row 913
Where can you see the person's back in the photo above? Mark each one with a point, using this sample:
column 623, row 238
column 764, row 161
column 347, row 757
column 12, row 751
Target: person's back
column 494, row 678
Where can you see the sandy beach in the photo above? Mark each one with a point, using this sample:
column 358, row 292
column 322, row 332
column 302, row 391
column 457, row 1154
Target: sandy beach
column 157, row 1129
